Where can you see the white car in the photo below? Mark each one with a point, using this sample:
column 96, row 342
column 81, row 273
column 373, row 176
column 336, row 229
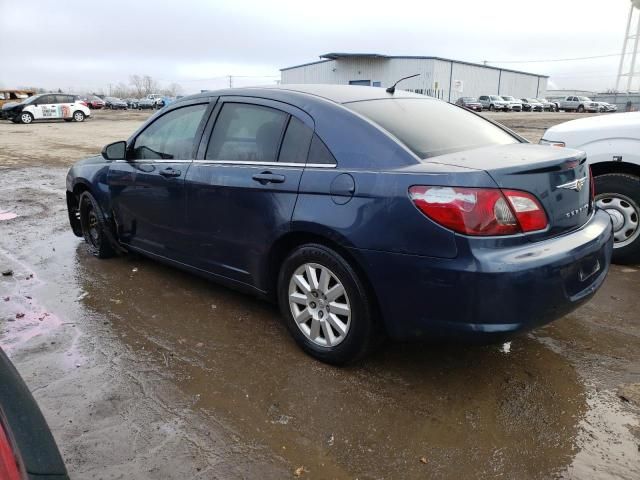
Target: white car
column 47, row 106
column 612, row 144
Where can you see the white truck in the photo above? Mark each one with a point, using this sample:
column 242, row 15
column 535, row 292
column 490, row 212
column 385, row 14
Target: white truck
column 156, row 98
column 612, row 144
column 578, row 104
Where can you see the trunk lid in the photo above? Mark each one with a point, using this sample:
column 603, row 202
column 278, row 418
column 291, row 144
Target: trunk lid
column 558, row 177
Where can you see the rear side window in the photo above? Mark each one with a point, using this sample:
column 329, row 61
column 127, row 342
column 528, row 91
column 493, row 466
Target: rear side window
column 319, row 153
column 431, row 127
column 295, row 145
column 171, row 136
column 246, row 132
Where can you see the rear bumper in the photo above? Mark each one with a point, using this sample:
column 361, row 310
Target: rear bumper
column 487, row 294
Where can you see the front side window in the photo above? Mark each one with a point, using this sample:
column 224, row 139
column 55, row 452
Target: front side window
column 246, row 132
column 431, row 127
column 45, row 99
column 171, row 136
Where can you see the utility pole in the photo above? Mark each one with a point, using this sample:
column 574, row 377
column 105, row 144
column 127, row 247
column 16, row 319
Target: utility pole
column 230, row 81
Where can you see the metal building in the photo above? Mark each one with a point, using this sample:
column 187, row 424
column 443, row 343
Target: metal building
column 439, row 77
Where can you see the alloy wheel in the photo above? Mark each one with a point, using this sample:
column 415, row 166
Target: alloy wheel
column 319, row 304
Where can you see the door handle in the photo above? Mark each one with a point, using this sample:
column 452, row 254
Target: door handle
column 170, row 172
column 268, row 177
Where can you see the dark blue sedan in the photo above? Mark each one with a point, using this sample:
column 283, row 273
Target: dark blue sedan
column 362, row 213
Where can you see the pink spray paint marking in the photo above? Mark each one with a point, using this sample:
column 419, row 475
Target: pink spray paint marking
column 6, row 215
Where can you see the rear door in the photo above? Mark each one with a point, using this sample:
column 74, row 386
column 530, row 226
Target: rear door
column 147, row 190
column 243, row 188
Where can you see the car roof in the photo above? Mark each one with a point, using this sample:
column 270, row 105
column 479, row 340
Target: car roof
column 334, row 93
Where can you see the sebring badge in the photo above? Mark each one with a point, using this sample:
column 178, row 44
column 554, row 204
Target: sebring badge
column 576, row 184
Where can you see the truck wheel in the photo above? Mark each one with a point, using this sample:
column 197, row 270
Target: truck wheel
column 492, row 108
column 581, row 109
column 618, row 194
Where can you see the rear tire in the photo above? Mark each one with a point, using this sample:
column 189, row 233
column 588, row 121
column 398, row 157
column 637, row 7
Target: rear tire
column 619, row 195
column 333, row 328
column 95, row 228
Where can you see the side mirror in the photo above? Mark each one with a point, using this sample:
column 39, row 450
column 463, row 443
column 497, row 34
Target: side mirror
column 115, row 151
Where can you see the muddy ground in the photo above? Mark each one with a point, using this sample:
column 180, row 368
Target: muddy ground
column 145, row 372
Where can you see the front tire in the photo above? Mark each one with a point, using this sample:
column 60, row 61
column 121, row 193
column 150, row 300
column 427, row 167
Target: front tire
column 26, row 118
column 78, row 116
column 581, row 109
column 619, row 195
column 95, row 228
column 326, row 307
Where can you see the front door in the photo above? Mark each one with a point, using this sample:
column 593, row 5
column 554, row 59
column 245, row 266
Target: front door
column 147, row 190
column 243, row 189
column 45, row 107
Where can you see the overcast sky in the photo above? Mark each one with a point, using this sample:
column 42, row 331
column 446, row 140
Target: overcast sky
column 86, row 45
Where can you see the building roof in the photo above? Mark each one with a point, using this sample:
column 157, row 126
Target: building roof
column 328, row 57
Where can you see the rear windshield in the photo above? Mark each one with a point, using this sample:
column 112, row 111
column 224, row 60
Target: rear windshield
column 431, row 127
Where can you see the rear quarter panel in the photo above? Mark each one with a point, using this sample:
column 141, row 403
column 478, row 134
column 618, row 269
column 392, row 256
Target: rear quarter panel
column 380, row 215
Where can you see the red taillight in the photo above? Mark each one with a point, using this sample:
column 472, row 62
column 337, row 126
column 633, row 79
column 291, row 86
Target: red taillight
column 480, row 211
column 9, row 469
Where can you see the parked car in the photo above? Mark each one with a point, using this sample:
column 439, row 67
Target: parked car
column 471, row 103
column 131, row 102
column 547, row 105
column 358, row 210
column 27, row 448
column 612, row 144
column 93, row 102
column 494, row 102
column 578, row 104
column 114, row 103
column 606, row 107
column 146, row 103
column 532, row 105
column 514, row 105
column 47, row 106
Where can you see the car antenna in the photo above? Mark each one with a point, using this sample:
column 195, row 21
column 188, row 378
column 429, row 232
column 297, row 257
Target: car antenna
column 392, row 88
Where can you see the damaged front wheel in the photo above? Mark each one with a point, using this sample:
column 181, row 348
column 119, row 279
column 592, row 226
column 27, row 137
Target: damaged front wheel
column 95, row 228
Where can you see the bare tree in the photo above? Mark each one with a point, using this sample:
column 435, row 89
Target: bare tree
column 138, row 86
column 173, row 90
column 149, row 85
column 121, row 90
